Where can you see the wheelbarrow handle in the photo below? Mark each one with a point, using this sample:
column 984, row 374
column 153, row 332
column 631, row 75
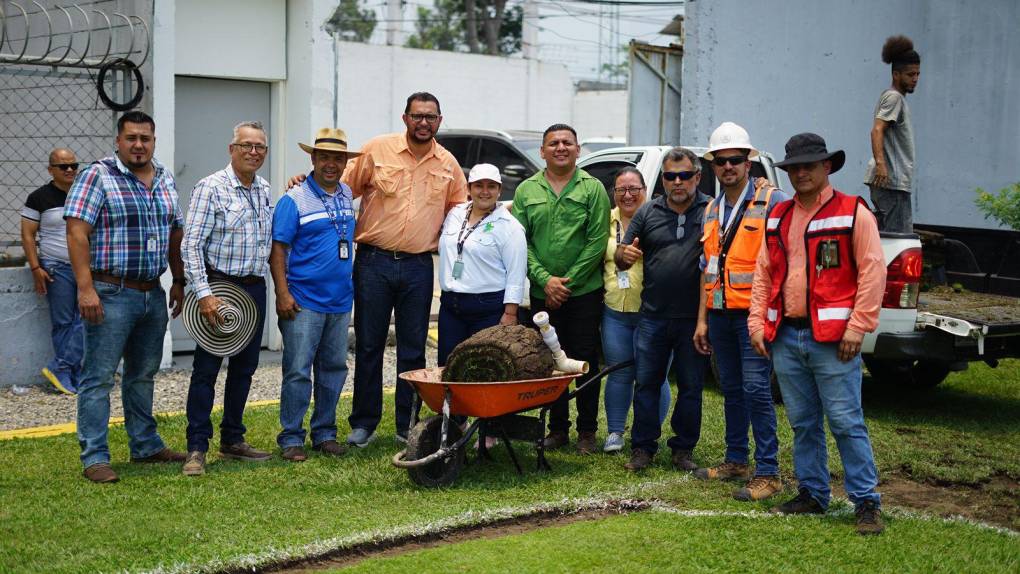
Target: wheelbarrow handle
column 598, row 376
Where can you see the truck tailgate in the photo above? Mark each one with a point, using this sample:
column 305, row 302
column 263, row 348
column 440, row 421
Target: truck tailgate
column 997, row 314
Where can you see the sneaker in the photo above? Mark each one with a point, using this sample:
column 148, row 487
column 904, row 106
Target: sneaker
column 360, row 437
column 556, row 439
column 639, row 460
column 586, row 443
column 195, row 464
column 294, row 454
column 869, row 518
column 682, row 460
column 331, row 448
column 725, row 471
column 165, row 455
column 803, row 503
column 759, row 488
column 62, row 384
column 100, row 473
column 243, row 451
column 614, row 442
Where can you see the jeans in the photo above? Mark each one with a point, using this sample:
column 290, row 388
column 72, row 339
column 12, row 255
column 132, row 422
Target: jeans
column 577, row 326
column 744, row 377
column 657, row 338
column 464, row 314
column 618, row 340
column 67, row 331
column 133, row 326
column 384, row 285
column 202, row 390
column 313, row 344
column 814, row 383
column 893, row 209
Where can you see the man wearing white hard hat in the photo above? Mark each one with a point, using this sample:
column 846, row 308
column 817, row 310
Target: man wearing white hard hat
column 733, row 234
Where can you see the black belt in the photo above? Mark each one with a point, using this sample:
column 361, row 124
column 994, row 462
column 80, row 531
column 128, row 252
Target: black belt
column 214, row 275
column 367, row 248
column 797, row 322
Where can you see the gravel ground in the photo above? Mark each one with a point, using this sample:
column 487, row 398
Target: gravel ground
column 39, row 407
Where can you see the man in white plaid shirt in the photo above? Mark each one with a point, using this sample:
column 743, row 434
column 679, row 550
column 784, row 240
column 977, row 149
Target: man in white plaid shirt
column 227, row 238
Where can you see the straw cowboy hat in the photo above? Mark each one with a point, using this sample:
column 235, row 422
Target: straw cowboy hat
column 240, row 318
column 330, row 139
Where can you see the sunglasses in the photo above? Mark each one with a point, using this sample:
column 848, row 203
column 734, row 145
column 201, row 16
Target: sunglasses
column 680, row 230
column 683, row 175
column 65, row 166
column 732, row 160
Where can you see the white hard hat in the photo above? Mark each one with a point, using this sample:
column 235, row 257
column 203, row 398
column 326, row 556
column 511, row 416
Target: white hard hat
column 484, row 171
column 730, row 136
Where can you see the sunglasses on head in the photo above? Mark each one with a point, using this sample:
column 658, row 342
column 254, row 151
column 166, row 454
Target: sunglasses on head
column 65, row 166
column 732, row 160
column 673, row 175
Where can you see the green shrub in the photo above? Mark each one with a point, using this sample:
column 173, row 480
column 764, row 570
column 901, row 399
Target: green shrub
column 1004, row 207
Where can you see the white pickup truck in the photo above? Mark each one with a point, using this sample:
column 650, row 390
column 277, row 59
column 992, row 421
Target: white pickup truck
column 921, row 337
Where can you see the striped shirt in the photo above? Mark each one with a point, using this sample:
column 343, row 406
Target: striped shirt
column 131, row 224
column 229, row 227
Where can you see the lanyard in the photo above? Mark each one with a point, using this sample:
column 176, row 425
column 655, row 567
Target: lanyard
column 618, row 238
column 462, row 237
column 251, row 202
column 341, row 233
column 736, row 211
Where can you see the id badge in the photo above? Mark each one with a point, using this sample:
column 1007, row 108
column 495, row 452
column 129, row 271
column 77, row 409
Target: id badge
column 717, row 299
column 345, row 251
column 458, row 269
column 151, row 244
column 623, row 279
column 713, row 265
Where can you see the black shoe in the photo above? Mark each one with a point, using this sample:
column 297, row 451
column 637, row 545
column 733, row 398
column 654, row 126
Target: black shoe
column 803, row 503
column 869, row 518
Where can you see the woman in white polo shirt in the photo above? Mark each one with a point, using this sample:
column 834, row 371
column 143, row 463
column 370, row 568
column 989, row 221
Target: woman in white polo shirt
column 483, row 261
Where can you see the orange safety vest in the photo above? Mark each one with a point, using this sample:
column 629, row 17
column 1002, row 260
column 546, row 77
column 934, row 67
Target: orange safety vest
column 831, row 269
column 730, row 265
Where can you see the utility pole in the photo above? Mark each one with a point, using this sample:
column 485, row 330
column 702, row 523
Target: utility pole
column 529, row 30
column 394, row 22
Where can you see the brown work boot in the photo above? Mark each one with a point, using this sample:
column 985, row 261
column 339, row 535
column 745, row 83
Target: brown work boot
column 725, row 471
column 682, row 460
column 639, row 460
column 586, row 443
column 243, row 451
column 331, row 448
column 195, row 464
column 100, row 473
column 759, row 488
column 294, row 454
column 869, row 518
column 556, row 439
column 165, row 455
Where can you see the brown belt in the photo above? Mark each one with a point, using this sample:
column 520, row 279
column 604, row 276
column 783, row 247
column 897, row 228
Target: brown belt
column 129, row 283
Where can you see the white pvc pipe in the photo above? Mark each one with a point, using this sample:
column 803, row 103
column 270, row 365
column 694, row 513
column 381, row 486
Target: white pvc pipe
column 563, row 364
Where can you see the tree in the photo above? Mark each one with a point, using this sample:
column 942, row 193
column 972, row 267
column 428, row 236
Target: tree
column 350, row 22
column 463, row 25
column 1004, row 207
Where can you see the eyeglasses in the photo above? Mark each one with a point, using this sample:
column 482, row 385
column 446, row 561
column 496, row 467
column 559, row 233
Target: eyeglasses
column 719, row 161
column 65, row 166
column 683, row 175
column 245, row 147
column 680, row 230
column 430, row 118
column 635, row 191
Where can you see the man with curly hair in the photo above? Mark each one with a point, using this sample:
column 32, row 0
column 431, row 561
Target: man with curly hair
column 891, row 168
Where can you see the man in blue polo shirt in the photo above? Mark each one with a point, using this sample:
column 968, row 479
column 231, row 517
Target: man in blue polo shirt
column 311, row 263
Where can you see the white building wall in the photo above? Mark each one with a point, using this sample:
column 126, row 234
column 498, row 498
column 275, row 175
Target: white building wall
column 239, row 39
column 600, row 114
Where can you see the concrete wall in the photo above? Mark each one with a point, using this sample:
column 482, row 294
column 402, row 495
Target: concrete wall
column 242, row 38
column 25, row 345
column 803, row 65
column 600, row 114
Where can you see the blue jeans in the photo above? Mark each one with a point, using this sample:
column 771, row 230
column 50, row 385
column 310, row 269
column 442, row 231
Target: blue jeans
column 133, row 327
column 747, row 392
column 657, row 339
column 67, row 331
column 464, row 314
column 240, row 368
column 618, row 339
column 313, row 343
column 384, row 285
column 815, row 383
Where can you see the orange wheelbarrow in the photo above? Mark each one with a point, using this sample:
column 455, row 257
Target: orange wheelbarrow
column 435, row 452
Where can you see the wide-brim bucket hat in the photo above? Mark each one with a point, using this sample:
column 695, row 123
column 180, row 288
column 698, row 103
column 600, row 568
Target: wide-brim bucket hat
column 809, row 148
column 240, row 318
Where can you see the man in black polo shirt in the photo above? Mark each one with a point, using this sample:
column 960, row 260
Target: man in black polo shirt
column 666, row 232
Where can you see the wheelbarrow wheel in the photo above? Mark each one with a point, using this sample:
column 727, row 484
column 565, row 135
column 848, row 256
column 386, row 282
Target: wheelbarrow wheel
column 424, row 440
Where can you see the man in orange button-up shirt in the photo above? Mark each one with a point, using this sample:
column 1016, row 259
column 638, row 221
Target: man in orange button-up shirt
column 816, row 345
column 407, row 183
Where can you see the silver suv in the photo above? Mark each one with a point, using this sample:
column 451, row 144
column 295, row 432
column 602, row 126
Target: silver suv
column 514, row 152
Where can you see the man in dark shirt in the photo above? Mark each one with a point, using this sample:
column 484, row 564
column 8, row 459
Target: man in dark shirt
column 42, row 220
column 666, row 232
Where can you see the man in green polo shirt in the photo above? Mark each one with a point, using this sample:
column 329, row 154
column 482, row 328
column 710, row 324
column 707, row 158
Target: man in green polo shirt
column 565, row 214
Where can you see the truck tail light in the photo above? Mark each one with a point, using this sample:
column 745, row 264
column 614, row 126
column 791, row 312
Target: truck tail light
column 903, row 280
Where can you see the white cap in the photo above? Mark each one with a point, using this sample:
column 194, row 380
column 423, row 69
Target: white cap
column 730, row 136
column 484, row 171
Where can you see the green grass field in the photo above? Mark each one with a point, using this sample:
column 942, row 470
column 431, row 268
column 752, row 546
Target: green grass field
column 967, row 431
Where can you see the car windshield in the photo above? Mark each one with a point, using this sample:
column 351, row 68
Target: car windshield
column 532, row 148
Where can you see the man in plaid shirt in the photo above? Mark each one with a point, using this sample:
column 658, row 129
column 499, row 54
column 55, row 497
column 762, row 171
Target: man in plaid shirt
column 123, row 228
column 227, row 239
